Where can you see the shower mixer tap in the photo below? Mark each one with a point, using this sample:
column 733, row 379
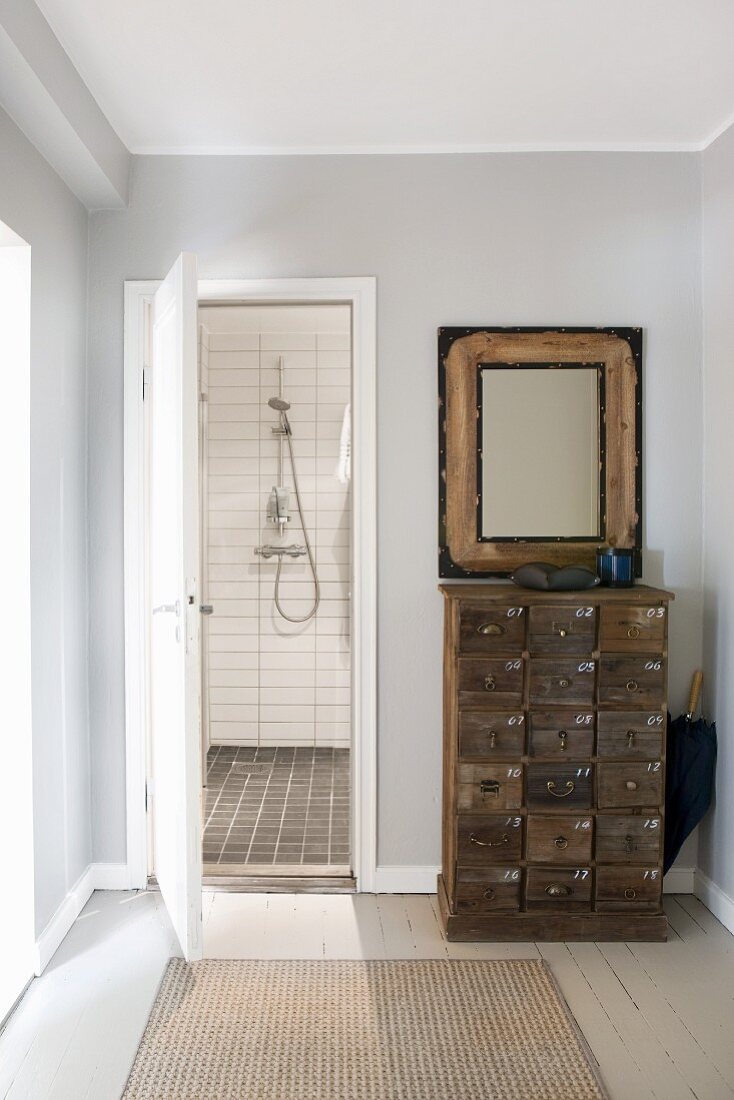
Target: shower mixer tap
column 292, row 551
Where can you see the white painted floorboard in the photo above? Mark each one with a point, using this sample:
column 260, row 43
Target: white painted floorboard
column 659, row 1018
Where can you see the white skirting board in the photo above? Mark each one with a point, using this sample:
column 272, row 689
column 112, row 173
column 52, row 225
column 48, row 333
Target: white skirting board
column 422, row 880
column 388, row 880
column 406, row 880
column 97, row 876
column 714, row 898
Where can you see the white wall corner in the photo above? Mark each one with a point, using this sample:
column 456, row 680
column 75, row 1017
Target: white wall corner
column 406, row 880
column 110, row 876
column 97, row 876
column 48, row 100
column 714, row 898
column 49, row 941
column 679, row 880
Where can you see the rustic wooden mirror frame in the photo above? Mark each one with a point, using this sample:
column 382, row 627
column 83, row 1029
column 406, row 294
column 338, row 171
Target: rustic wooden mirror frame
column 461, row 351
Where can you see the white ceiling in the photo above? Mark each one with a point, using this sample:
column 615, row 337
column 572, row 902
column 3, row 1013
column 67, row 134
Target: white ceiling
column 404, row 75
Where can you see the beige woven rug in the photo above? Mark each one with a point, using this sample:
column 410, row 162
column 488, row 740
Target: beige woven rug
column 424, row 1030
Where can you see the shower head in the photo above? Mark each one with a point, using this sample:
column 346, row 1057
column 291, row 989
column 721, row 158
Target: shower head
column 279, row 404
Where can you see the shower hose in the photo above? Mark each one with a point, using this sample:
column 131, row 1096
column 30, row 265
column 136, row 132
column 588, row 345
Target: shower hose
column 317, row 589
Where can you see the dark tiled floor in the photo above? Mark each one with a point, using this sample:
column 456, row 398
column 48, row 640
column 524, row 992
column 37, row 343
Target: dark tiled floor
column 276, row 806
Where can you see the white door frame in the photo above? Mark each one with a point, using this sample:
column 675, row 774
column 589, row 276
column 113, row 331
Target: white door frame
column 19, row 955
column 361, row 295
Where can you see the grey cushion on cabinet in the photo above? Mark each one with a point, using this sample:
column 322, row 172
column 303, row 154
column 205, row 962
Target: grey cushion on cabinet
column 551, row 578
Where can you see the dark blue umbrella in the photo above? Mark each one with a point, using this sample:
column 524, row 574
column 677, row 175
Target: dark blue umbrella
column 689, row 773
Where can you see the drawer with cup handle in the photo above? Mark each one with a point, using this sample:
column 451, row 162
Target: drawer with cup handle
column 637, row 681
column 562, row 630
column 619, row 888
column 624, row 629
column 488, row 889
column 562, row 680
column 488, row 838
column 491, row 629
column 633, row 784
column 630, row 733
column 558, row 887
column 493, row 680
column 489, row 787
column 496, row 735
column 561, row 733
column 559, row 839
column 633, row 838
column 559, row 787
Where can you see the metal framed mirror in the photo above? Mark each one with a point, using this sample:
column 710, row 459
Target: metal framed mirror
column 540, row 440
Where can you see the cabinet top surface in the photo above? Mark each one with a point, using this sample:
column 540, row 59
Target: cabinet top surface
column 490, row 592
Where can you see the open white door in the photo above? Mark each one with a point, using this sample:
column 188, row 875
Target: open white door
column 175, row 678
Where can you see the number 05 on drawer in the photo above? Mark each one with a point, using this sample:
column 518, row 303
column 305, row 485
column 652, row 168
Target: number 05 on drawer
column 554, row 763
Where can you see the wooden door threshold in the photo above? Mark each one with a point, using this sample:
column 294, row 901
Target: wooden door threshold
column 279, row 884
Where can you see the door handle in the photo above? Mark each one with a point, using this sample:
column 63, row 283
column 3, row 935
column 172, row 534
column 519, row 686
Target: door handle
column 206, row 608
column 168, row 609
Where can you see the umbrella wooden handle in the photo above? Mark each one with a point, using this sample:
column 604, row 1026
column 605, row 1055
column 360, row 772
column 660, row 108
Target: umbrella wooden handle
column 695, row 695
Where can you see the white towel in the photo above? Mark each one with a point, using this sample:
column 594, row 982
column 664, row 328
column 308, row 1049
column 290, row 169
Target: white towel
column 344, row 465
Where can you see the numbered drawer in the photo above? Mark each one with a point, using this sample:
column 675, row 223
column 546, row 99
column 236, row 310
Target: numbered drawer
column 552, row 787
column 485, row 838
column 496, row 678
column 558, row 888
column 491, row 734
column 630, row 733
column 491, row 629
column 632, row 839
column 486, row 788
column 632, row 629
column 562, row 733
column 630, row 785
column 628, row 888
column 562, row 681
column 638, row 681
column 559, row 839
column 488, row 891
column 561, row 630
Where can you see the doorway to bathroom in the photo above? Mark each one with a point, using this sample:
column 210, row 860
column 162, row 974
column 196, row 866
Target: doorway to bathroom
column 276, row 570
column 182, row 603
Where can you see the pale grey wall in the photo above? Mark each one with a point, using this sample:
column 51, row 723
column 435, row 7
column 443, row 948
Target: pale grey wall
column 716, row 850
column 597, row 239
column 40, row 208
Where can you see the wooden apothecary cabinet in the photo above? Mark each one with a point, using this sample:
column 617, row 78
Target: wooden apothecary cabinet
column 554, row 763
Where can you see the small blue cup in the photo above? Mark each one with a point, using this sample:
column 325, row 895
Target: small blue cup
column 616, row 568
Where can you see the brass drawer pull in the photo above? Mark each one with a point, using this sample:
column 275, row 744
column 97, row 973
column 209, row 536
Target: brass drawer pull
column 633, row 632
column 630, row 893
column 570, row 787
column 628, row 844
column 490, row 786
column 563, row 737
column 564, row 683
column 493, row 629
column 474, row 839
column 492, row 737
column 558, row 890
column 632, row 685
column 630, row 738
column 563, row 631
column 489, row 894
column 561, row 842
column 489, row 684
column 631, row 785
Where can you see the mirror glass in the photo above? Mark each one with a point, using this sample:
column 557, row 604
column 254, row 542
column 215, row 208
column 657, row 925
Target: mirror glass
column 540, row 460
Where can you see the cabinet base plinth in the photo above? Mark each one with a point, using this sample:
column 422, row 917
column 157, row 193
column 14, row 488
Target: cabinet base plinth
column 550, row 927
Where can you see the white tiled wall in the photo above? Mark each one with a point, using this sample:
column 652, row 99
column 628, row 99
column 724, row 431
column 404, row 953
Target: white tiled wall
column 271, row 681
